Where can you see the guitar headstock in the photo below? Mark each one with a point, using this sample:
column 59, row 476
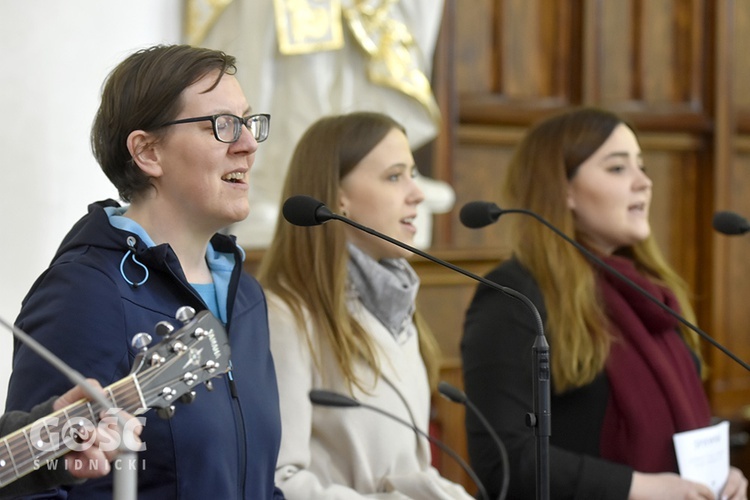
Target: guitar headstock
column 186, row 357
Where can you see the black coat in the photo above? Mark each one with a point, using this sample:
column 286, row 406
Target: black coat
column 496, row 349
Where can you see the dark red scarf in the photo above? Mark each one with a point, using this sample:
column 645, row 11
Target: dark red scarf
column 655, row 388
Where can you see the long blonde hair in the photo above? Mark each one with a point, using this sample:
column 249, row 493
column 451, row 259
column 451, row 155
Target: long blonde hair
column 307, row 266
column 537, row 178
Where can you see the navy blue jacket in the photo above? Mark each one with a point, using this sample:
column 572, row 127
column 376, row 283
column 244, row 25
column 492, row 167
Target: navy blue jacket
column 82, row 309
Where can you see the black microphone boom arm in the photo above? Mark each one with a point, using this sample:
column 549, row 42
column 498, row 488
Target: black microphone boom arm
column 457, row 396
column 336, row 400
column 493, row 212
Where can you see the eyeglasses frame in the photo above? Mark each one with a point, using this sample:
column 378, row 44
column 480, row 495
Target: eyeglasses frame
column 212, row 119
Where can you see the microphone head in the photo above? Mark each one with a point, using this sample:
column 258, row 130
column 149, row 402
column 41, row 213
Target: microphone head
column 476, row 214
column 304, row 210
column 329, row 398
column 730, row 223
column 451, row 393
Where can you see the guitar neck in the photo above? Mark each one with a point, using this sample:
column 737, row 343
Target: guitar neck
column 46, row 439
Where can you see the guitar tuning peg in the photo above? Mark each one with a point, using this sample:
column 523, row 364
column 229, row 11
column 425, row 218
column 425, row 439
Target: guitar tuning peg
column 185, row 314
column 141, row 341
column 209, row 385
column 188, row 397
column 164, row 328
column 166, row 413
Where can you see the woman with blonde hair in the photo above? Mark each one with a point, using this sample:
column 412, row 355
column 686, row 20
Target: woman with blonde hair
column 625, row 374
column 342, row 318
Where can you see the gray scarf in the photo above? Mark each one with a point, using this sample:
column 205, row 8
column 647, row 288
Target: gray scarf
column 387, row 289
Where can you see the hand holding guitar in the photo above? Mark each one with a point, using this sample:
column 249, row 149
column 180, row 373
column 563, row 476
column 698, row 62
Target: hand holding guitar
column 95, row 460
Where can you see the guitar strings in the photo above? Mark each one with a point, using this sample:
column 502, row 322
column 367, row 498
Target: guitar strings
column 119, row 393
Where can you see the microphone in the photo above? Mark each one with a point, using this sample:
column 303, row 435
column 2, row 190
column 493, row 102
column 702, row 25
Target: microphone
column 304, row 210
column 478, row 214
column 124, row 482
column 730, row 223
column 457, row 396
column 333, row 399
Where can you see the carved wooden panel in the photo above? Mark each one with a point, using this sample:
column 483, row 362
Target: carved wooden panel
column 740, row 69
column 645, row 54
column 730, row 383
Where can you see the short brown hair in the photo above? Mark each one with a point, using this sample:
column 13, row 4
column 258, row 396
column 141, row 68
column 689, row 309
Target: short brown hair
column 142, row 93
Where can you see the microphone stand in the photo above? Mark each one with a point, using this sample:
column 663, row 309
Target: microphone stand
column 336, row 400
column 541, row 418
column 125, row 482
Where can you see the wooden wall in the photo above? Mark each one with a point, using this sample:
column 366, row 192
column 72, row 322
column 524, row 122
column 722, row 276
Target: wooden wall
column 677, row 69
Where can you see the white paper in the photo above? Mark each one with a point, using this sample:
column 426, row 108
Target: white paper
column 703, row 455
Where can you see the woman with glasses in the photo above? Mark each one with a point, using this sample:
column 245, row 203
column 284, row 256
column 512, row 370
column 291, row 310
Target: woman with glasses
column 176, row 136
column 342, row 318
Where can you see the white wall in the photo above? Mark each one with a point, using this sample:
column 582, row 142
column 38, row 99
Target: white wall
column 54, row 57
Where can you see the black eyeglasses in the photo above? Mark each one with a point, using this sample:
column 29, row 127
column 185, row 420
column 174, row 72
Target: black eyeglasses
column 228, row 128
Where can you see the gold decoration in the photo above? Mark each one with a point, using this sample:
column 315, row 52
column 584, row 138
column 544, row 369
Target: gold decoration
column 393, row 52
column 306, row 26
column 200, row 17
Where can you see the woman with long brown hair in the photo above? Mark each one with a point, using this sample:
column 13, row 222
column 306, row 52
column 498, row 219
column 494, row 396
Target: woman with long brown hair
column 342, row 318
column 625, row 374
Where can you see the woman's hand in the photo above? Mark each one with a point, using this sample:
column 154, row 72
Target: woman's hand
column 667, row 486
column 736, row 488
